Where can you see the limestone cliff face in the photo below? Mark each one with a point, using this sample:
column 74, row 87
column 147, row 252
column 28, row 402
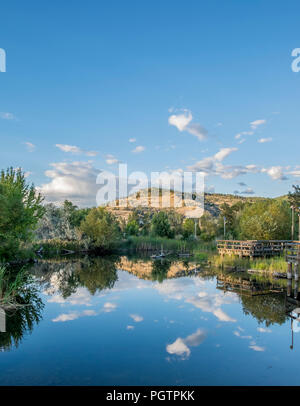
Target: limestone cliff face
column 155, row 200
column 143, row 269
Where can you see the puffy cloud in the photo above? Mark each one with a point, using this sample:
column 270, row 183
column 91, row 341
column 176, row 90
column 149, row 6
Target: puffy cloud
column 255, row 347
column 257, row 123
column 71, row 180
column 223, row 153
column 109, row 307
column 182, row 122
column 73, row 149
column 137, row 318
column 275, row 172
column 138, row 149
column 181, row 346
column 264, row 140
column 66, row 317
column 73, row 316
column 222, row 316
column 264, row 330
column 208, row 164
column 132, row 140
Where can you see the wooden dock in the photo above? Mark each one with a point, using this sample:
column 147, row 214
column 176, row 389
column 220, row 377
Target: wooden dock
column 254, row 248
column 244, row 286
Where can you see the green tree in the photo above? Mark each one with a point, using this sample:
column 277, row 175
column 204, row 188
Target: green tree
column 102, row 228
column 176, row 221
column 189, row 228
column 265, row 220
column 161, row 226
column 294, row 200
column 132, row 227
column 20, row 210
column 232, row 215
column 208, row 226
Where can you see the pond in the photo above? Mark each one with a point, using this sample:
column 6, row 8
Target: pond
column 135, row 321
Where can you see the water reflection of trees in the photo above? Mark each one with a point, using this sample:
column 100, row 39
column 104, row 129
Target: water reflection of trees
column 268, row 308
column 160, row 269
column 22, row 317
column 94, row 273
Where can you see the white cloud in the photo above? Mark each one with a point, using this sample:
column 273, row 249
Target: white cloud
column 181, row 346
column 75, row 181
column 222, row 316
column 30, row 147
column 182, row 122
column 212, row 165
column 73, row 149
column 132, row 139
column 275, row 172
column 109, row 307
column 223, row 153
column 66, row 317
column 257, row 123
column 264, row 330
column 73, row 316
column 129, row 327
column 7, row 116
column 137, row 318
column 110, row 160
column 257, row 348
column 264, row 140
column 138, row 149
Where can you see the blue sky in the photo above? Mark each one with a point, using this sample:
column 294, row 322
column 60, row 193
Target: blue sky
column 197, row 85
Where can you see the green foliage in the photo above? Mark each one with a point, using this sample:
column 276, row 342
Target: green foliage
column 265, row 220
column 74, row 215
column 176, row 221
column 20, row 210
column 161, row 226
column 188, row 228
column 60, row 222
column 232, row 215
column 208, row 226
column 102, row 228
column 294, row 198
column 132, row 227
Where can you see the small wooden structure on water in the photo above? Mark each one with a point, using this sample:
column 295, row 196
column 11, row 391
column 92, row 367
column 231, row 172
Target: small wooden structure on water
column 252, row 248
column 242, row 285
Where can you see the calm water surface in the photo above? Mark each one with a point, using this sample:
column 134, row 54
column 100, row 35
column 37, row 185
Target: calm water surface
column 121, row 321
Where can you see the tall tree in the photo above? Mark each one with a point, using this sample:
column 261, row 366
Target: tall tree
column 294, row 200
column 20, row 210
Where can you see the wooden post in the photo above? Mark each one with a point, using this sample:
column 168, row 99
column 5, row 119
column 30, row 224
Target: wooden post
column 293, row 222
column 296, row 290
column 289, row 287
column 2, row 321
column 290, row 270
column 296, row 272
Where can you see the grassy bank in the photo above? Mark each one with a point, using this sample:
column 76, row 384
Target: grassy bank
column 274, row 264
column 10, row 285
column 154, row 244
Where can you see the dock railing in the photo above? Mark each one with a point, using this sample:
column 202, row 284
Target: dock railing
column 254, row 248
